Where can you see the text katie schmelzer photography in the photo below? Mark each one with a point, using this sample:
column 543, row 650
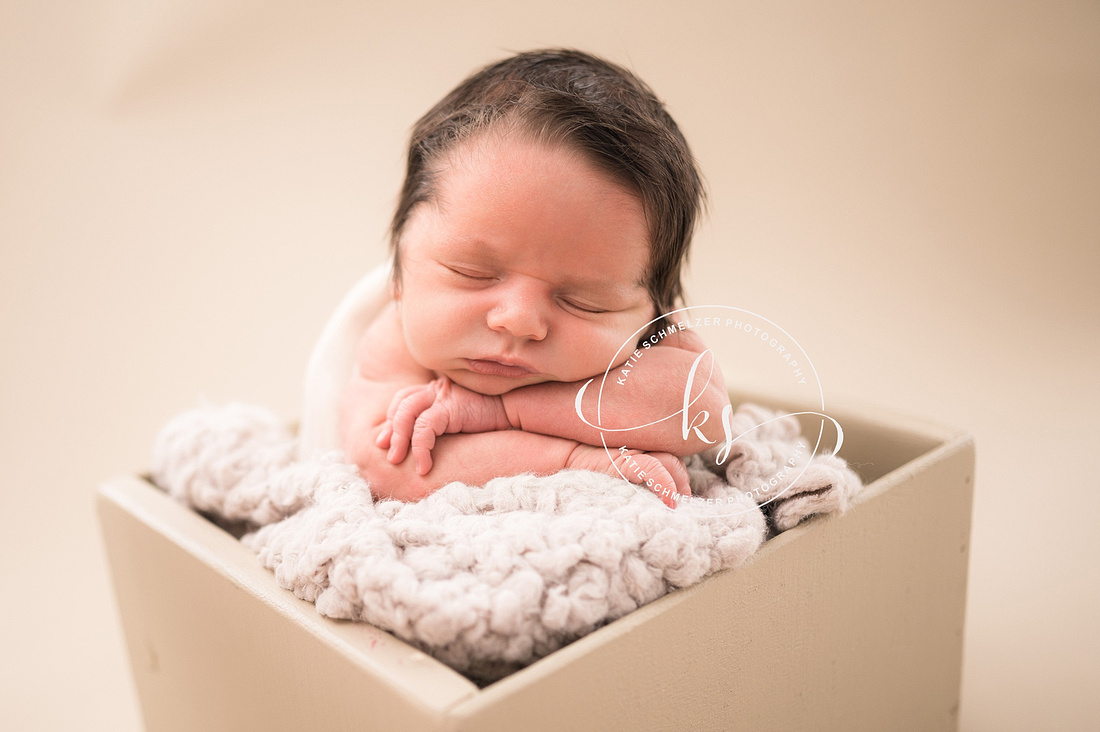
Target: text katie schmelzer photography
column 793, row 361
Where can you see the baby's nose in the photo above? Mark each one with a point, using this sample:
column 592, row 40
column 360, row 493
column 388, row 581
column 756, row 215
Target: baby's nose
column 519, row 313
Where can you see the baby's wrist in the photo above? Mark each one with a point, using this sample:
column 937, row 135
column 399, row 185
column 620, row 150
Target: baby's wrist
column 511, row 411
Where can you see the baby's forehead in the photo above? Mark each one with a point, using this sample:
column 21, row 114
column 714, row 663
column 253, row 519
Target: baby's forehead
column 504, row 143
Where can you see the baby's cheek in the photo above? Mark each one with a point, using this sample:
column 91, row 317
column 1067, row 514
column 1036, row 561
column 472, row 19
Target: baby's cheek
column 431, row 332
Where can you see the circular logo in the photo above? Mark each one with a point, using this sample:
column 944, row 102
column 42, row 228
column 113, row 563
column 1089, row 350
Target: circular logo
column 638, row 391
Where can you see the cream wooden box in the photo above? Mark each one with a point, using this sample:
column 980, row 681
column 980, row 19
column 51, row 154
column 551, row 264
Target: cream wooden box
column 850, row 622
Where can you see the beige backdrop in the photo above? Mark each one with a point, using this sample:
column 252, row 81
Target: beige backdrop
column 188, row 186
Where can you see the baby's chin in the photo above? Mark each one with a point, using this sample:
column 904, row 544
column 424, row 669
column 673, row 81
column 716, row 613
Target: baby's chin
column 491, row 385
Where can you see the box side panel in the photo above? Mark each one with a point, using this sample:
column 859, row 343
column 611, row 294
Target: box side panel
column 872, row 449
column 208, row 653
column 872, row 445
column 845, row 623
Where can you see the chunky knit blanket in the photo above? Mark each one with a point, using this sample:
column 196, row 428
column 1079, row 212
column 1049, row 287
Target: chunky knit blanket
column 489, row 578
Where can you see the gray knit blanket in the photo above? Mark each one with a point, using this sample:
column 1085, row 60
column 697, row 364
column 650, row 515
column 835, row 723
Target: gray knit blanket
column 490, row 578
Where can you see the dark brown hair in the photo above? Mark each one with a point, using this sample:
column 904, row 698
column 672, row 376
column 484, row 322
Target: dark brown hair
column 596, row 107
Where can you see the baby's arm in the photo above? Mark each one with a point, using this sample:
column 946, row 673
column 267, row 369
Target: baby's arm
column 384, row 368
column 654, row 387
column 476, row 458
column 648, row 401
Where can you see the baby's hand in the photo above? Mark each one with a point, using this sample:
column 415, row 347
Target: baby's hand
column 660, row 472
column 418, row 414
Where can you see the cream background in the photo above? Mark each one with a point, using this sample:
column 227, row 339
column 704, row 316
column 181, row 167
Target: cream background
column 187, row 187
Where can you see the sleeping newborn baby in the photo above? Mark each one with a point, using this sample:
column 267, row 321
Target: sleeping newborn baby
column 546, row 213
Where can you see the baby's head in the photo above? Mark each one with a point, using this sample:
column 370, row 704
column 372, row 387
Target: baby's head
column 589, row 106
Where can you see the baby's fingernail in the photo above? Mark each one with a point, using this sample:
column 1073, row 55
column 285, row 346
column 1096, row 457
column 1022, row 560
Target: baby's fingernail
column 391, row 453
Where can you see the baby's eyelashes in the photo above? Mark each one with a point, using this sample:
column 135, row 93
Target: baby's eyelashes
column 584, row 307
column 470, row 274
column 483, row 276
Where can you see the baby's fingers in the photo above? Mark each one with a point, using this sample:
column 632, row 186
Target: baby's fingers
column 383, row 438
column 403, row 420
column 401, row 395
column 431, row 423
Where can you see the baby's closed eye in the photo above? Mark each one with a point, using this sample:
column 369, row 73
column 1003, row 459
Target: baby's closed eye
column 584, row 307
column 470, row 273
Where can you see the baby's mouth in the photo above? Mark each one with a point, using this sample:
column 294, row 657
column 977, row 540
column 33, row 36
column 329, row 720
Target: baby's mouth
column 490, row 367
